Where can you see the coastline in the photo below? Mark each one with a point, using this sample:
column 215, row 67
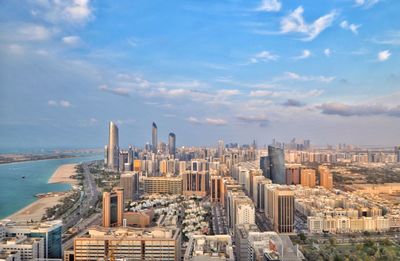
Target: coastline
column 37, row 209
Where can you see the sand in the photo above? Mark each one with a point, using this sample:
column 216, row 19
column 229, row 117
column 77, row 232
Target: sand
column 37, row 209
column 63, row 173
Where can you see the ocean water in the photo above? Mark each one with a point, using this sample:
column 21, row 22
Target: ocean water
column 16, row 192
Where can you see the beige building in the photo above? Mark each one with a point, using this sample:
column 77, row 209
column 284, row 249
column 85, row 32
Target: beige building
column 155, row 244
column 307, row 178
column 162, row 185
column 129, row 181
column 29, row 248
column 325, row 177
column 195, row 183
column 113, row 207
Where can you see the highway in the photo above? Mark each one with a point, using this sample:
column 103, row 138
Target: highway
column 89, row 200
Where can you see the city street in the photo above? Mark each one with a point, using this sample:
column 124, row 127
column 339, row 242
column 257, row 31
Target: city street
column 218, row 220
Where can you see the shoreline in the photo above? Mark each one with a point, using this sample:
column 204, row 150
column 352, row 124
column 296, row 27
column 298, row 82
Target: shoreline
column 55, row 157
column 35, row 210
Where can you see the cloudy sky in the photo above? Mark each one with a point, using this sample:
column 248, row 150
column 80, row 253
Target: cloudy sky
column 239, row 70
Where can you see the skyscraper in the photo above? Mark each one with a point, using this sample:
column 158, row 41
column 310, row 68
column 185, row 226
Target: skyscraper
column 397, row 152
column 172, row 143
column 113, row 147
column 113, row 207
column 307, row 178
column 277, row 164
column 154, row 142
column 220, row 148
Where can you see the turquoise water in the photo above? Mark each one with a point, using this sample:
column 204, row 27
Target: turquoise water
column 16, row 193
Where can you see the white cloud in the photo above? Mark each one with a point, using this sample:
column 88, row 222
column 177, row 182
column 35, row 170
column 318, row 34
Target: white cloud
column 33, row 32
column 61, row 103
column 389, row 38
column 295, row 23
column 384, row 55
column 262, row 120
column 70, row 11
column 304, row 55
column 298, row 77
column 366, row 3
column 118, row 91
column 260, row 93
column 71, row 40
column 270, row 6
column 209, row 121
column 327, row 52
column 264, row 56
column 16, row 49
column 352, row 27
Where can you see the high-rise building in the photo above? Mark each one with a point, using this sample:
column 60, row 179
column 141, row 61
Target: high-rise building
column 307, row 178
column 113, row 147
column 125, row 243
column 265, row 166
column 154, row 141
column 216, row 187
column 221, row 148
column 293, row 174
column 397, row 152
column 283, row 204
column 172, row 143
column 195, row 183
column 242, row 232
column 129, row 181
column 113, row 207
column 277, row 164
column 325, row 177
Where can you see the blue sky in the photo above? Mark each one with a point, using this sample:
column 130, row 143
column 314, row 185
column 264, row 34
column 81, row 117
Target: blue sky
column 239, row 70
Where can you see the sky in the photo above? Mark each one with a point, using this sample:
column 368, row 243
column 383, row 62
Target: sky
column 236, row 70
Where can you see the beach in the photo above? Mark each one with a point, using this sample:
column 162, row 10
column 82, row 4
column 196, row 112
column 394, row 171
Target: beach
column 37, row 209
column 63, row 174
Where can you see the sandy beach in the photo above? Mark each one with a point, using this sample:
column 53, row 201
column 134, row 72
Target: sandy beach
column 37, row 209
column 63, row 173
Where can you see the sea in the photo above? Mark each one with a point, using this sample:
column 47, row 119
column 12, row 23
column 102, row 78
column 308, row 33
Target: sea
column 17, row 192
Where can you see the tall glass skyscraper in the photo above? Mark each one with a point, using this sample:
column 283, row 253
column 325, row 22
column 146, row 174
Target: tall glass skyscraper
column 113, row 147
column 154, row 142
column 172, row 143
column 277, row 165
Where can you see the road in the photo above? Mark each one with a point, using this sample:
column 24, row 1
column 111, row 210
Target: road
column 83, row 228
column 218, row 220
column 89, row 200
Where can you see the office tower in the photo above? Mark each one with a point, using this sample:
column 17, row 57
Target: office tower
column 220, row 148
column 293, row 174
column 162, row 185
column 172, row 143
column 49, row 231
column 129, row 181
column 113, row 208
column 325, row 177
column 154, row 141
column 195, row 183
column 397, row 152
column 124, row 243
column 130, row 155
column 307, row 178
column 216, row 187
column 204, row 247
column 283, row 209
column 265, row 166
column 277, row 164
column 113, row 147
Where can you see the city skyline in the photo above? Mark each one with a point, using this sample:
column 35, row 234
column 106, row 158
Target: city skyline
column 237, row 71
